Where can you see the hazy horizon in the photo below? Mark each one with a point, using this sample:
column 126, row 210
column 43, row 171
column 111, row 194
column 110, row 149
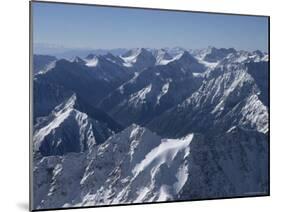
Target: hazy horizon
column 96, row 27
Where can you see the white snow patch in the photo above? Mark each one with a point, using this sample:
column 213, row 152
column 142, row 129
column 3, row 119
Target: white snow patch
column 165, row 62
column 164, row 90
column 164, row 153
column 210, row 65
column 164, row 193
column 140, row 96
column 197, row 74
column 255, row 114
column 142, row 194
column 110, row 60
column 48, row 67
column 59, row 117
column 129, row 61
column 182, row 176
column 231, row 129
column 92, row 62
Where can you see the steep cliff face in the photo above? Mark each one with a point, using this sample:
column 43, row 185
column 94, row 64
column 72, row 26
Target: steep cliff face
column 67, row 129
column 228, row 96
column 228, row 165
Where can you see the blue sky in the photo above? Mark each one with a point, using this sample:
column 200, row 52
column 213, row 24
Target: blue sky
column 79, row 26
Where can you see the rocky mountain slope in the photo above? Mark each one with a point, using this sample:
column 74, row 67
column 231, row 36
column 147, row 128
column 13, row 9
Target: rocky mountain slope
column 136, row 166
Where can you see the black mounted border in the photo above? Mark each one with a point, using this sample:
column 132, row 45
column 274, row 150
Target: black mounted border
column 31, row 105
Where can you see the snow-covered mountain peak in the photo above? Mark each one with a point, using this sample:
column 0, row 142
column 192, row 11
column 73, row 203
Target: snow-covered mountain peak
column 166, row 151
column 133, row 52
column 162, row 57
column 175, row 51
column 109, row 56
column 254, row 115
column 216, row 54
column 78, row 60
column 92, row 62
column 139, row 58
column 188, row 63
column 113, row 59
column 222, row 50
column 162, row 53
column 143, row 161
column 53, row 137
column 130, row 57
column 42, row 62
column 90, row 56
column 133, row 133
column 48, row 67
column 68, row 104
column 240, row 57
column 258, row 53
column 186, row 56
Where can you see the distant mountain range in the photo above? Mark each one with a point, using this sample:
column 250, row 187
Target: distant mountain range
column 146, row 125
column 62, row 52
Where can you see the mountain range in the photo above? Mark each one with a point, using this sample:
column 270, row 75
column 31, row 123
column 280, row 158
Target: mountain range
column 149, row 125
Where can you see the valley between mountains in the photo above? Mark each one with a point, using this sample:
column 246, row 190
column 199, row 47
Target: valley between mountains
column 149, row 125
